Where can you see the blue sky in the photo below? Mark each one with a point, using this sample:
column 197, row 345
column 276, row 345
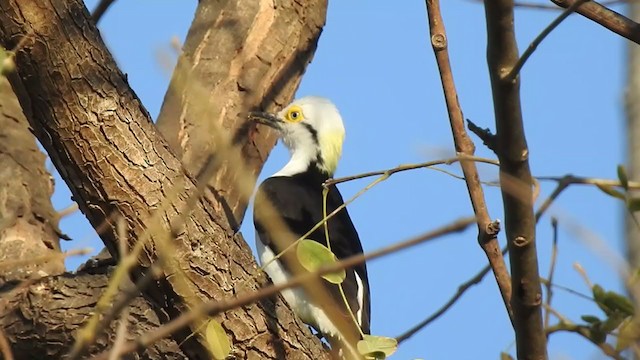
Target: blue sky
column 375, row 62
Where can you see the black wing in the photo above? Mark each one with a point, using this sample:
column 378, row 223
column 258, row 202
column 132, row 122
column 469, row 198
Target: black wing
column 299, row 202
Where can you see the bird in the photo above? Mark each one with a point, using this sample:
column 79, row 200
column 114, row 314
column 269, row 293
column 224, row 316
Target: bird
column 313, row 131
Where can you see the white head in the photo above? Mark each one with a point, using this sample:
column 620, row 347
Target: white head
column 312, row 130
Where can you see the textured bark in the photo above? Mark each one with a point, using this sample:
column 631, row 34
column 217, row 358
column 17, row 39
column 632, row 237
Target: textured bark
column 239, row 55
column 117, row 165
column 28, row 222
column 39, row 319
column 632, row 110
column 515, row 182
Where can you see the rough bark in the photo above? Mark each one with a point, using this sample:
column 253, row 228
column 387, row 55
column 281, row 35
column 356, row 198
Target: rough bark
column 39, row 318
column 116, row 164
column 237, row 56
column 28, row 222
column 515, row 182
column 632, row 110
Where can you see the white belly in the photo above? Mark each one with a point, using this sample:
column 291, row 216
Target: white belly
column 295, row 297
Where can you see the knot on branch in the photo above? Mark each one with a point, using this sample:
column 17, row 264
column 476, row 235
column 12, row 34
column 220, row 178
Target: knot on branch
column 439, row 41
column 493, row 228
column 521, row 241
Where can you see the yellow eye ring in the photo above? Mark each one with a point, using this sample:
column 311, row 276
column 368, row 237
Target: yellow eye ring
column 294, row 114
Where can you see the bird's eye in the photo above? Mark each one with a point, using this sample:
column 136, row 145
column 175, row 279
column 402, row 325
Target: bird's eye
column 294, row 114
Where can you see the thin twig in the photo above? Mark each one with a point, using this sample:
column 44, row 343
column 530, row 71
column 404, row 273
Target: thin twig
column 68, row 210
column 546, row 31
column 476, row 279
column 406, row 167
column 100, row 10
column 606, row 17
column 585, row 333
column 488, row 240
column 579, row 180
column 552, row 267
column 480, row 275
column 211, row 308
column 121, row 334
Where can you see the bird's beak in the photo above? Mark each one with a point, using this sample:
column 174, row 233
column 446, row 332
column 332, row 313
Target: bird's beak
column 266, row 119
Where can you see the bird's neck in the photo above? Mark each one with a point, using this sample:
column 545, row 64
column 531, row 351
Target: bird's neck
column 305, row 163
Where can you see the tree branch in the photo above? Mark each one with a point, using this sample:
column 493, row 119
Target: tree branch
column 606, row 17
column 117, row 165
column 487, row 238
column 214, row 307
column 502, row 55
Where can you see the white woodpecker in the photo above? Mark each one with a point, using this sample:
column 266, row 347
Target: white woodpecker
column 313, row 131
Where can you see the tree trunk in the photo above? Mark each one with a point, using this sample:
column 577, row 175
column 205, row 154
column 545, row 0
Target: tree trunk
column 238, row 56
column 28, row 222
column 117, row 165
column 632, row 110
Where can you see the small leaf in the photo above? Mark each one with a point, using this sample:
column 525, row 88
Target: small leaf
column 313, row 255
column 371, row 345
column 217, row 340
column 629, row 333
column 612, row 323
column 622, row 176
column 633, row 204
column 376, row 355
column 596, row 334
column 609, row 190
column 591, row 319
column 612, row 303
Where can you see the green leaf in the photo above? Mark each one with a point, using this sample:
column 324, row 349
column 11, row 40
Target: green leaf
column 313, row 255
column 622, row 176
column 612, row 303
column 609, row 190
column 612, row 323
column 591, row 319
column 629, row 333
column 371, row 345
column 633, row 204
column 217, row 340
column 376, row 355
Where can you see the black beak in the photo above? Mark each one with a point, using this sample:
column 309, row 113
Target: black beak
column 265, row 118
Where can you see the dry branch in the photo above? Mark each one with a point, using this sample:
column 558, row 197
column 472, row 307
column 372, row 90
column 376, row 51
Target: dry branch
column 606, row 17
column 487, row 238
column 526, row 300
column 237, row 57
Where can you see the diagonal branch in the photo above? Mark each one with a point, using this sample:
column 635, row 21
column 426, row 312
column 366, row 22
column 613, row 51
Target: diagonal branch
column 487, row 233
column 606, row 17
column 526, row 301
column 214, row 307
column 117, row 165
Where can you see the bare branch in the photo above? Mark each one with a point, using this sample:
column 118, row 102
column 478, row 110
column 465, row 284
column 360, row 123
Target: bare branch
column 211, row 308
column 100, row 10
column 549, row 283
column 546, row 31
column 606, row 17
column 481, row 274
column 487, row 240
column 407, row 167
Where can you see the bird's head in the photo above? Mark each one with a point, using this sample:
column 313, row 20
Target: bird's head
column 312, row 129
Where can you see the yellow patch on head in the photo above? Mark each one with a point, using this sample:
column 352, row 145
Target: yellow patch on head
column 294, row 114
column 331, row 150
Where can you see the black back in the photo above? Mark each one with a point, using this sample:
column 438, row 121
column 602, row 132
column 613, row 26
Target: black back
column 298, row 199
